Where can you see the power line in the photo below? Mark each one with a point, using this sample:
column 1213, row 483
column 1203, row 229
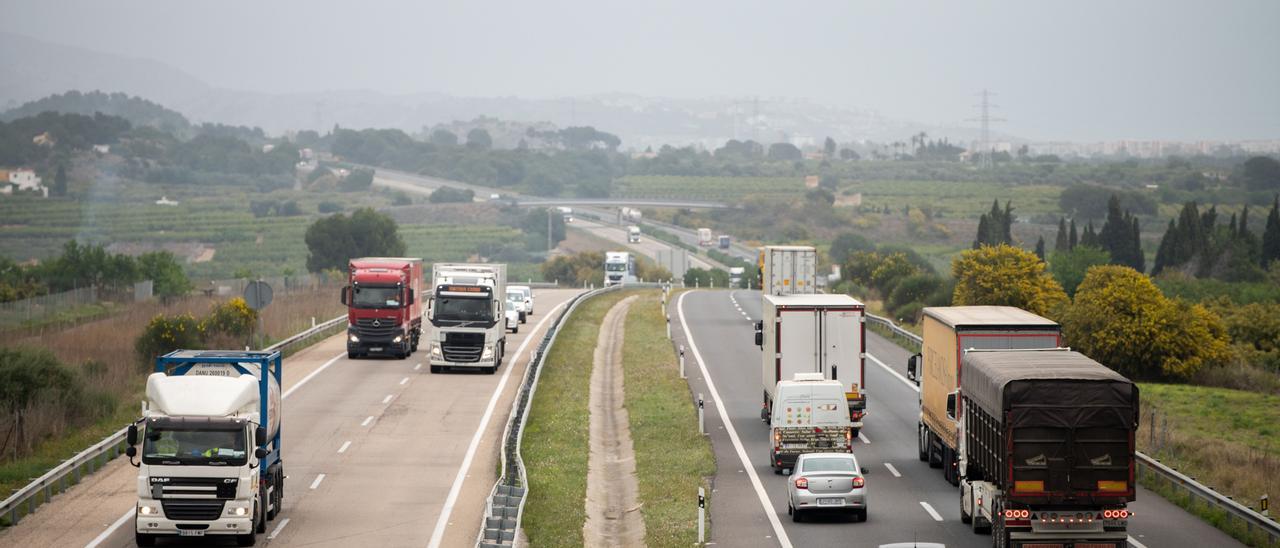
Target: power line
column 985, row 117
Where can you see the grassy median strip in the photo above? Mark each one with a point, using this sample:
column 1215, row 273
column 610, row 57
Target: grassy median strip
column 672, row 458
column 555, row 446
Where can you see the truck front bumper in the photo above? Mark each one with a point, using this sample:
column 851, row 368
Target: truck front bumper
column 441, row 362
column 387, row 346
column 160, row 525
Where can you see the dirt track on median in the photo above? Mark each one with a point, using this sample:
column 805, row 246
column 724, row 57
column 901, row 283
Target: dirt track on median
column 613, row 510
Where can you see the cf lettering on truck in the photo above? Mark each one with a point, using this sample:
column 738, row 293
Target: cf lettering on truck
column 948, row 332
column 468, row 316
column 384, row 311
column 1046, row 448
column 210, row 459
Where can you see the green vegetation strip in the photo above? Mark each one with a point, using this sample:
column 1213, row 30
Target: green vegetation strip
column 555, row 446
column 672, row 458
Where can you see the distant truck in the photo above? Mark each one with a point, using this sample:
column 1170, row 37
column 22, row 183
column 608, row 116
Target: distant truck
column 633, row 234
column 948, row 332
column 210, row 459
column 704, row 237
column 724, row 241
column 384, row 309
column 629, row 214
column 824, row 335
column 735, row 275
column 566, row 213
column 468, row 316
column 619, row 268
column 788, row 270
column 1046, row 448
column 809, row 418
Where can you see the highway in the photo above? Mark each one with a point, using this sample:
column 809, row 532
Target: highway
column 908, row 500
column 373, row 449
column 648, row 246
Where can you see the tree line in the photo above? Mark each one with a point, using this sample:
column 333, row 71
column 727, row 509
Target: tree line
column 89, row 265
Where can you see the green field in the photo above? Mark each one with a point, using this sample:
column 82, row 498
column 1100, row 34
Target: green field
column 730, row 189
column 957, row 198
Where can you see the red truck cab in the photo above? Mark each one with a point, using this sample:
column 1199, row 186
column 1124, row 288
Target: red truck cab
column 384, row 306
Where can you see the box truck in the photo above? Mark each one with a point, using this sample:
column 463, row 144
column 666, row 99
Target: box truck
column 633, row 234
column 704, row 236
column 468, row 316
column 809, row 418
column 384, row 310
column 724, row 241
column 619, row 268
column 948, row 332
column 210, row 460
column 1046, row 448
column 788, row 269
column 819, row 334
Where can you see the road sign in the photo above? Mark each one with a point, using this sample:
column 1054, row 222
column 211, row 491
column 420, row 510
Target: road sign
column 257, row 294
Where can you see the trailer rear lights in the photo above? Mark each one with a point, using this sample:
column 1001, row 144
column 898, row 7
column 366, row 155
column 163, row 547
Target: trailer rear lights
column 1113, row 486
column 1029, row 486
column 1116, row 514
column 1017, row 514
column 802, row 483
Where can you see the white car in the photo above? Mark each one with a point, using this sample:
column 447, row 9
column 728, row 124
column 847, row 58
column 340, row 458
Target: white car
column 528, row 297
column 515, row 301
column 513, row 320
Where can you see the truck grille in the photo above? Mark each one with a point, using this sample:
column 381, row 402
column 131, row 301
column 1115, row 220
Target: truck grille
column 386, row 327
column 463, row 347
column 200, row 510
column 201, row 488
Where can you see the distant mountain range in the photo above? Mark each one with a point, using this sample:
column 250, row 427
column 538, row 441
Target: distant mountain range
column 33, row 69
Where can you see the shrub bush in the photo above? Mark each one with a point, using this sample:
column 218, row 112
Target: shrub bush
column 165, row 334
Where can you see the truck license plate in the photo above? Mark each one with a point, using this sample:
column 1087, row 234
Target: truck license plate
column 376, row 349
column 830, row 501
column 191, row 532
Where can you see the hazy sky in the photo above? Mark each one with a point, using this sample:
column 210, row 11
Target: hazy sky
column 1071, row 70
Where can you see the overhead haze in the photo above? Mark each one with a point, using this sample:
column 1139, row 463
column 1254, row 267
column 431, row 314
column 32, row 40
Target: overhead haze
column 1088, row 70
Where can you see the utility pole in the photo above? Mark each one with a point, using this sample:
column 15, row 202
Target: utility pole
column 549, row 210
column 985, row 118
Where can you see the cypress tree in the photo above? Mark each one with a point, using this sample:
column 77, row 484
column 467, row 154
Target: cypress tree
column 1138, row 257
column 1073, row 239
column 982, row 232
column 1271, row 235
column 1060, row 244
column 1040, row 248
column 1089, row 237
column 1166, row 243
column 1006, row 233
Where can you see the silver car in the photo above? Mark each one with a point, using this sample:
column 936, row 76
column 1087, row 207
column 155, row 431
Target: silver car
column 827, row 482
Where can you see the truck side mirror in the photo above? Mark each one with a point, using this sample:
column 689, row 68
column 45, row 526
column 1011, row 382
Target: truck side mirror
column 131, row 452
column 913, row 368
column 131, row 435
column 260, row 453
column 951, row 406
column 260, row 437
column 760, row 334
column 342, row 295
column 410, row 298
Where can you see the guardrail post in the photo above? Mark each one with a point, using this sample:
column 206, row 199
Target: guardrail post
column 668, row 327
column 1265, row 504
column 702, row 516
column 682, row 362
column 702, row 421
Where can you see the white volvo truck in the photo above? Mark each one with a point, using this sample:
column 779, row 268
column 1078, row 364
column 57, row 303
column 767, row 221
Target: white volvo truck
column 468, row 316
column 210, row 459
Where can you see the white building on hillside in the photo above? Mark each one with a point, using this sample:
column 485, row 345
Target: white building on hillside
column 24, row 180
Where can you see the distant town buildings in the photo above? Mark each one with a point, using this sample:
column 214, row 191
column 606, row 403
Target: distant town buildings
column 22, row 180
column 1146, row 149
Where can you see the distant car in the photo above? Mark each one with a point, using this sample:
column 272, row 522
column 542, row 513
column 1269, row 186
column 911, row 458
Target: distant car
column 827, row 483
column 495, row 196
column 528, row 297
column 513, row 320
column 515, row 301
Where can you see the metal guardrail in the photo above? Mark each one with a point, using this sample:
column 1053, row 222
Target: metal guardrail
column 1252, row 520
column 25, row 500
column 500, row 525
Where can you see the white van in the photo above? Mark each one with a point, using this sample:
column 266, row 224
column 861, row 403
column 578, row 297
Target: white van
column 809, row 415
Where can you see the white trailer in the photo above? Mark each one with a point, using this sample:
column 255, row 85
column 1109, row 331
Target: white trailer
column 468, row 313
column 788, row 270
column 823, row 334
column 704, row 237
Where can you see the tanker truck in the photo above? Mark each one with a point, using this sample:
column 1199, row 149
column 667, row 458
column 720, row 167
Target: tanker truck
column 210, row 459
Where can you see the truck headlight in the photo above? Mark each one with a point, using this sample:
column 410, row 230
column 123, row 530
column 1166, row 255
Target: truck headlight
column 397, row 339
column 241, row 511
column 148, row 510
column 435, row 351
column 354, row 338
column 487, row 354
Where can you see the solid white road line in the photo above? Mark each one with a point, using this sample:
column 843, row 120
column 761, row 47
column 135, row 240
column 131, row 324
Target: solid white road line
column 278, row 528
column 437, row 535
column 733, row 432
column 864, row 439
column 904, row 380
column 129, row 513
column 893, row 470
column 1135, row 544
column 931, row 511
column 344, row 447
column 312, row 375
column 367, row 420
column 387, row 399
column 404, row 380
column 316, row 483
column 118, row 524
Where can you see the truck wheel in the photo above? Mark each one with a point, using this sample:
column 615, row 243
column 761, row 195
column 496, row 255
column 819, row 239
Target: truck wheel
column 143, row 539
column 935, row 457
column 922, row 447
column 260, row 517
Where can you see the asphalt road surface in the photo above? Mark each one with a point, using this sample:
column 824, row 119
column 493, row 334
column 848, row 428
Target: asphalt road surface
column 908, row 500
column 374, row 452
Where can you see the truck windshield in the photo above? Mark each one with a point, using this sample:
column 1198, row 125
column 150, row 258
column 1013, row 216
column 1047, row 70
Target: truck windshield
column 165, row 445
column 373, row 296
column 615, row 267
column 463, row 309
